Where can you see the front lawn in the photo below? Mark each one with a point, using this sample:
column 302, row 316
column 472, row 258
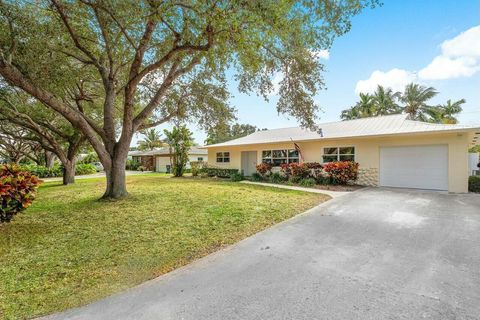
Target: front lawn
column 70, row 249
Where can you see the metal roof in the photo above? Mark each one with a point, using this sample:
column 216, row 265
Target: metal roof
column 375, row 126
column 165, row 151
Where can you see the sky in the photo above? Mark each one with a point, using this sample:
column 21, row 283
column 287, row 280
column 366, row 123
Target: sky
column 432, row 42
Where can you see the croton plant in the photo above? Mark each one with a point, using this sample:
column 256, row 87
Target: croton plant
column 17, row 191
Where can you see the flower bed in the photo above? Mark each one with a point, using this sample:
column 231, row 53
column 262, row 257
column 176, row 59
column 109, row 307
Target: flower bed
column 310, row 174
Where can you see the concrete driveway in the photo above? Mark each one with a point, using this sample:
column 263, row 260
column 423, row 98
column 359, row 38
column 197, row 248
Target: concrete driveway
column 373, row 254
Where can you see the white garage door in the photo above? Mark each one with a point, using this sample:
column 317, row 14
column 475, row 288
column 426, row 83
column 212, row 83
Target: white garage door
column 422, row 167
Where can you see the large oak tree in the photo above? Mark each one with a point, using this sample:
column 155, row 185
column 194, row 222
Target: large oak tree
column 135, row 57
column 32, row 122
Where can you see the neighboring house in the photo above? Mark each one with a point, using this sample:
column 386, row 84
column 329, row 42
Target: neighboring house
column 159, row 159
column 391, row 150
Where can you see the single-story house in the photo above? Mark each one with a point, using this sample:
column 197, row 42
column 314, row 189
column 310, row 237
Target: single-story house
column 159, row 159
column 391, row 150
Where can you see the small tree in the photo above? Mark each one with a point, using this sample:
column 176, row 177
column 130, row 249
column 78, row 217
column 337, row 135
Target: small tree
column 180, row 141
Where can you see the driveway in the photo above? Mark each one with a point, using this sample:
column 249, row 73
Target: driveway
column 373, row 254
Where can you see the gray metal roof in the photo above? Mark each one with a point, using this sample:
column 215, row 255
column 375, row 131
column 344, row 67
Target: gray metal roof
column 375, row 126
column 165, row 151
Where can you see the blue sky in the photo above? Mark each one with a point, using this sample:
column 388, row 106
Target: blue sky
column 405, row 35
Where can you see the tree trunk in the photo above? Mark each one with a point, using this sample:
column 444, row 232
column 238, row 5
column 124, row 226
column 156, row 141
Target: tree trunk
column 49, row 159
column 116, row 184
column 69, row 172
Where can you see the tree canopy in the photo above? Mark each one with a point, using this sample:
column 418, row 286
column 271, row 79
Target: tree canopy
column 112, row 68
column 226, row 132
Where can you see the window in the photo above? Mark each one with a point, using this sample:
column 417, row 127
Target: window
column 279, row 157
column 338, row 154
column 200, row 159
column 223, row 157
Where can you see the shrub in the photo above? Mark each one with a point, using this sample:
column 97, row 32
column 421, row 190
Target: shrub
column 83, row 169
column 341, row 172
column 141, row 168
column 17, row 191
column 132, row 165
column 42, row 171
column 276, row 177
column 256, row 177
column 294, row 179
column 91, row 157
column 264, row 169
column 196, row 167
column 298, row 170
column 237, row 176
column 308, row 182
column 218, row 172
column 474, row 184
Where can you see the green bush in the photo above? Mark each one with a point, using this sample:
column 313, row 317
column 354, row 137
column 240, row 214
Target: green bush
column 308, row 182
column 85, row 168
column 474, row 184
column 218, row 172
column 237, row 176
column 294, row 179
column 196, row 167
column 132, row 165
column 257, row 177
column 276, row 177
column 90, row 158
column 42, row 171
column 17, row 191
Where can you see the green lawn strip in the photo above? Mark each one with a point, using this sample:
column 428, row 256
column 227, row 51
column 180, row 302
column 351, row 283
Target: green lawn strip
column 70, row 249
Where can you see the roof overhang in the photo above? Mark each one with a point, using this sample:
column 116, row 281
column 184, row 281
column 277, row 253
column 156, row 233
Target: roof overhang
column 473, row 132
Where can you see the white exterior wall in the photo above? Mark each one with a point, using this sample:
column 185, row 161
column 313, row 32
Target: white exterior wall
column 161, row 162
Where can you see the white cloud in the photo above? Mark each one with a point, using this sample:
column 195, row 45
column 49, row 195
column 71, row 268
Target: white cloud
column 466, row 43
column 443, row 67
column 460, row 57
column 396, row 79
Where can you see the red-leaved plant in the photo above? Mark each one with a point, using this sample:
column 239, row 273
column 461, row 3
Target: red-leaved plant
column 17, row 191
column 341, row 172
column 264, row 168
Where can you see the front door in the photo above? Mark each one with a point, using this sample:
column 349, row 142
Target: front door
column 249, row 162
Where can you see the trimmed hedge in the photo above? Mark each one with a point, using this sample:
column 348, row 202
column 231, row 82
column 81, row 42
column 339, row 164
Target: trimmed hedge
column 17, row 191
column 474, row 184
column 218, row 172
column 42, row 171
column 57, row 171
column 83, row 169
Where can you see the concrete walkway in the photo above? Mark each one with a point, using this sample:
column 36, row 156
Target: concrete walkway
column 376, row 254
column 333, row 194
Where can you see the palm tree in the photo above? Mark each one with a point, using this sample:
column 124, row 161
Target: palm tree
column 450, row 109
column 415, row 99
column 350, row 114
column 152, row 140
column 385, row 101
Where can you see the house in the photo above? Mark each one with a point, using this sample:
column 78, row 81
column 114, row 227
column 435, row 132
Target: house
column 159, row 159
column 391, row 150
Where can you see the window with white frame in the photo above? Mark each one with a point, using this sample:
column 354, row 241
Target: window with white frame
column 338, row 154
column 223, row 157
column 279, row 157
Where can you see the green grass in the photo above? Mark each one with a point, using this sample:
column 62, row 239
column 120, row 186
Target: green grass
column 70, row 249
